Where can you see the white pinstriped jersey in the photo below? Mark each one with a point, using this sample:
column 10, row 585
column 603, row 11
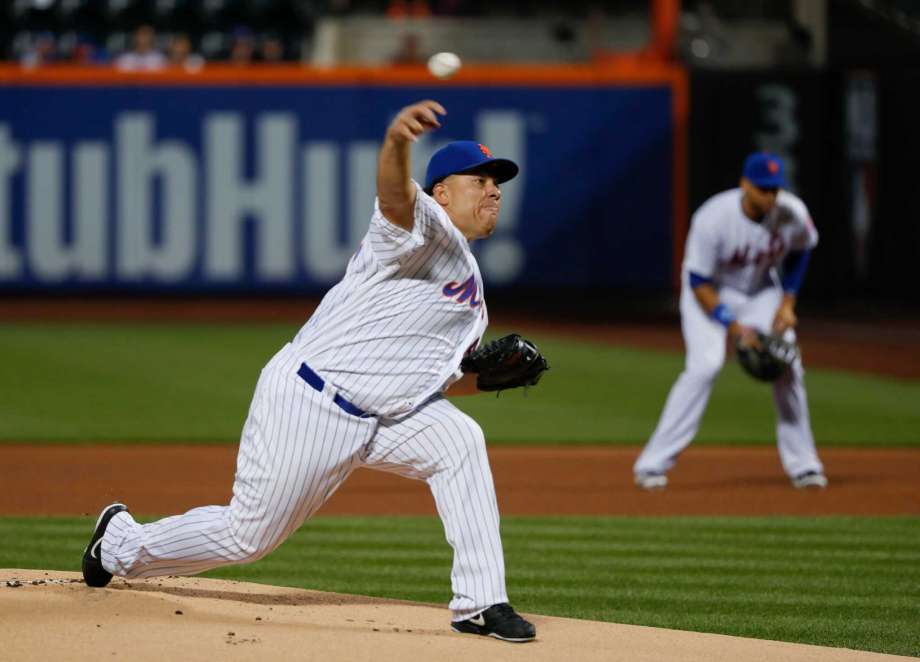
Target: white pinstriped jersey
column 392, row 333
column 734, row 251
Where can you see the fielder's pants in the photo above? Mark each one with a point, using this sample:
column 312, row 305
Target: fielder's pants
column 705, row 342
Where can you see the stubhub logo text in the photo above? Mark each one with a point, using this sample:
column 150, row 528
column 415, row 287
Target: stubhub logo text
column 246, row 202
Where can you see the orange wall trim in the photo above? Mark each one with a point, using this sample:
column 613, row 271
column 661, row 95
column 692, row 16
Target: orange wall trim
column 574, row 75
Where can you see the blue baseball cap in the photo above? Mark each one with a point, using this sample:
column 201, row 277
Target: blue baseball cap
column 765, row 170
column 463, row 156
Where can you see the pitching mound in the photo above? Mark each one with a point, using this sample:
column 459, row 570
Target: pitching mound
column 47, row 615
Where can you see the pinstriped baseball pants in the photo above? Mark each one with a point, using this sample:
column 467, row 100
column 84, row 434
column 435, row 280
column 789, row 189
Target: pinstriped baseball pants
column 296, row 448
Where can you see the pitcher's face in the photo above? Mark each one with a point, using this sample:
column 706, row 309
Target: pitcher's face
column 472, row 201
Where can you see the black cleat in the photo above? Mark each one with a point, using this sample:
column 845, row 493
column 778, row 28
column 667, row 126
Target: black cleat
column 93, row 572
column 499, row 621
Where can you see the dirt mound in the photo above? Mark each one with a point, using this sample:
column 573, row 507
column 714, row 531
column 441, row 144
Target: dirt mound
column 52, row 616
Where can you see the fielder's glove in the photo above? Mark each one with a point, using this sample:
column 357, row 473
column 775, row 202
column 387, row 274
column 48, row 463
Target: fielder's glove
column 770, row 361
column 508, row 362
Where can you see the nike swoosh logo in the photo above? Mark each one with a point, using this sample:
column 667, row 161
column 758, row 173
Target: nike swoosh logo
column 478, row 620
column 94, row 552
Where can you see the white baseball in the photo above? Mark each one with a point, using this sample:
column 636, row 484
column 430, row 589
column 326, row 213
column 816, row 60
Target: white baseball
column 443, row 65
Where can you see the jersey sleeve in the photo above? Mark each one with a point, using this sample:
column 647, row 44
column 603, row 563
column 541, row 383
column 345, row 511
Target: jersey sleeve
column 803, row 235
column 702, row 249
column 390, row 242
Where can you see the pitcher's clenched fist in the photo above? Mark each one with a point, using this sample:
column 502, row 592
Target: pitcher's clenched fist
column 415, row 120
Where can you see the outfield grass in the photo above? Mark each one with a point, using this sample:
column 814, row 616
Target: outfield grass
column 193, row 382
column 834, row 581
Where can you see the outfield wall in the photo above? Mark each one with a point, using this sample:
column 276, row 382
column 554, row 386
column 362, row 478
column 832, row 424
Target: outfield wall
column 264, row 180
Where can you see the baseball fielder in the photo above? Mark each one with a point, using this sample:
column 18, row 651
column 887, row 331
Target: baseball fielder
column 730, row 285
column 361, row 384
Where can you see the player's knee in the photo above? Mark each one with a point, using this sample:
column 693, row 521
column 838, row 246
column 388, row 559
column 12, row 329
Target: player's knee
column 467, row 442
column 476, row 438
column 249, row 543
column 704, row 363
column 704, row 371
column 473, row 441
column 247, row 549
column 470, row 433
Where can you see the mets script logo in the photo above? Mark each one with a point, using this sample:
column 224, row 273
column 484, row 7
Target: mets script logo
column 485, row 150
column 463, row 292
column 745, row 256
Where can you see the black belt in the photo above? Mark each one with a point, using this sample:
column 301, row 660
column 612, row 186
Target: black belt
column 314, row 380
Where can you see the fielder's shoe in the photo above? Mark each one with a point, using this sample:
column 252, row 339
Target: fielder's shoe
column 651, row 481
column 93, row 572
column 499, row 621
column 810, row 479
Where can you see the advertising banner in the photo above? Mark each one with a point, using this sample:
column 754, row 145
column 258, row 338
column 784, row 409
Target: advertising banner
column 262, row 188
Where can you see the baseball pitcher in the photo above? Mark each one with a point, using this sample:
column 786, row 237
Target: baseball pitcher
column 731, row 285
column 362, row 384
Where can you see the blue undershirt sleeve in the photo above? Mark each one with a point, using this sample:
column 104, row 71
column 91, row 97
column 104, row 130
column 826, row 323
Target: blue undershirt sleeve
column 794, row 267
column 696, row 280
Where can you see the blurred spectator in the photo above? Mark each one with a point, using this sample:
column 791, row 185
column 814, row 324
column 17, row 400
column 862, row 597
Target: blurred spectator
column 180, row 53
column 85, row 50
column 409, row 51
column 271, row 48
column 408, row 9
column 242, row 46
column 144, row 56
column 41, row 49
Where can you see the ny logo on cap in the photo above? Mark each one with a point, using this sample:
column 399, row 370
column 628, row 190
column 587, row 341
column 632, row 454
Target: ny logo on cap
column 485, row 150
column 772, row 166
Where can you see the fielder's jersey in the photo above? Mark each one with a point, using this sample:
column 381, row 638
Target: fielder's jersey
column 393, row 331
column 734, row 251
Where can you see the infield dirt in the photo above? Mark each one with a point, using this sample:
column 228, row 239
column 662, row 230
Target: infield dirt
column 164, row 480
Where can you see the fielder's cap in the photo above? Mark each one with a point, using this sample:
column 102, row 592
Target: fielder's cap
column 765, row 170
column 463, row 156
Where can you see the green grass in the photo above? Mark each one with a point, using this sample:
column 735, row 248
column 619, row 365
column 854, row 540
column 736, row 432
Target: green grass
column 835, row 581
column 193, row 382
column 127, row 382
